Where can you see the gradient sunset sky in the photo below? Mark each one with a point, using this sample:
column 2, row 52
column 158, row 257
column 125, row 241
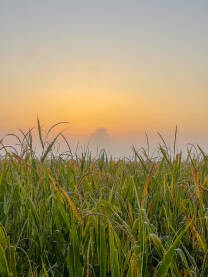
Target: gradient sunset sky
column 128, row 66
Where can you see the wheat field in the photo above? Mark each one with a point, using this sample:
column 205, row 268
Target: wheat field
column 82, row 216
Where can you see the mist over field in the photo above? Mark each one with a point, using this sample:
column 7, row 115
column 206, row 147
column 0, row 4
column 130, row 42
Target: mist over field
column 117, row 145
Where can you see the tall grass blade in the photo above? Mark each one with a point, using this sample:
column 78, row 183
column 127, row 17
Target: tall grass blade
column 40, row 133
column 164, row 266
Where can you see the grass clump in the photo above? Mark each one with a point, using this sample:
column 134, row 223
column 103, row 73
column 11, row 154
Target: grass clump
column 100, row 217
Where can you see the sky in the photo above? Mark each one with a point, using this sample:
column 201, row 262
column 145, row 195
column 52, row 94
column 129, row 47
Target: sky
column 124, row 66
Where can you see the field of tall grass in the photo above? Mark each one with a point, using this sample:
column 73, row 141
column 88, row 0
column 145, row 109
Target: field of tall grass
column 84, row 216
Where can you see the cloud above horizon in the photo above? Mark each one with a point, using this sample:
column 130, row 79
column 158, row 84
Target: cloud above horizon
column 100, row 137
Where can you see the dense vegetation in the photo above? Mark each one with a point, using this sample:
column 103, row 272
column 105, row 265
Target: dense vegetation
column 100, row 217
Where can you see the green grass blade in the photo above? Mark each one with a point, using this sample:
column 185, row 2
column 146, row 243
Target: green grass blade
column 4, row 269
column 40, row 133
column 49, row 148
column 163, row 268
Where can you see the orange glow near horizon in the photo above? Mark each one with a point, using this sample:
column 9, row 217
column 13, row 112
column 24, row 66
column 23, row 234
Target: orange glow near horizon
column 117, row 111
